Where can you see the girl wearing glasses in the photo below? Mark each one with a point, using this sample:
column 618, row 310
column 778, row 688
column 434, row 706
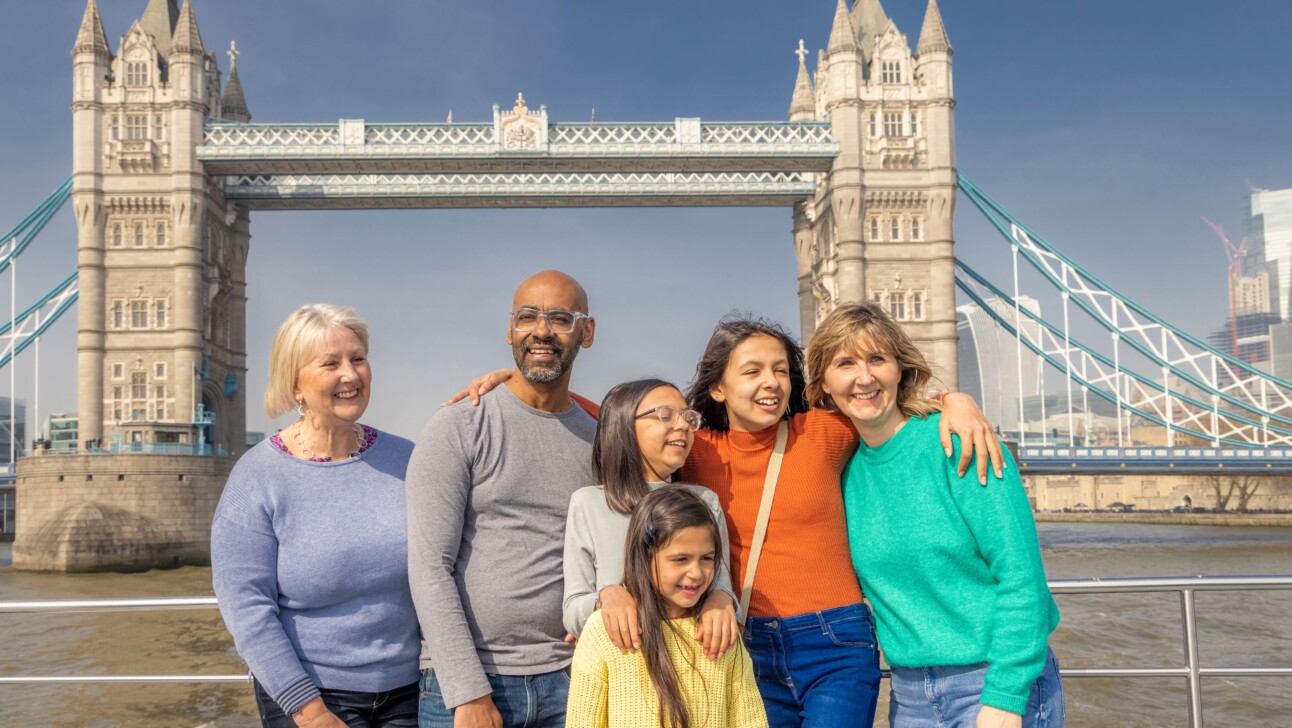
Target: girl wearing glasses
column 644, row 433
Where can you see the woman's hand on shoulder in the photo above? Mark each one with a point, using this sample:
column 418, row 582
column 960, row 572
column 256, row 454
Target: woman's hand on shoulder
column 989, row 717
column 619, row 613
column 315, row 714
column 479, row 387
column 719, row 628
column 961, row 416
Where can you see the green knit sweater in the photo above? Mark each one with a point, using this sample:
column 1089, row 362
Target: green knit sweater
column 952, row 569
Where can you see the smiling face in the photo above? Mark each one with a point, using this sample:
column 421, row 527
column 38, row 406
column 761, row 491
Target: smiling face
column 863, row 382
column 333, row 384
column 543, row 356
column 663, row 445
column 755, row 386
column 683, row 569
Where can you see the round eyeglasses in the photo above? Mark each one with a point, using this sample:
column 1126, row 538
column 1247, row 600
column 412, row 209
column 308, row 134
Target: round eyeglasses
column 558, row 321
column 670, row 415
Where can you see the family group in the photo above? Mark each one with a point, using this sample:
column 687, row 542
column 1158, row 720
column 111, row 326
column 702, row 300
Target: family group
column 735, row 554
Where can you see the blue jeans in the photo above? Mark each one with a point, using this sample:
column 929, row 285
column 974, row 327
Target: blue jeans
column 819, row 669
column 525, row 701
column 389, row 709
column 947, row 697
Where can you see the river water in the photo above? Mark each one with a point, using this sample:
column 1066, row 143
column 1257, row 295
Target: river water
column 1250, row 628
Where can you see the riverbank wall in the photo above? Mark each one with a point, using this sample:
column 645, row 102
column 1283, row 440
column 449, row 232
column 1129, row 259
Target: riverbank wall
column 1173, row 519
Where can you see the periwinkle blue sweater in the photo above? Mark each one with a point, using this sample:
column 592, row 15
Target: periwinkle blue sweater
column 310, row 566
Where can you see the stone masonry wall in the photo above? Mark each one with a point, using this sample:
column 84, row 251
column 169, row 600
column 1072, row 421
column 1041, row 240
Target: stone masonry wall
column 115, row 512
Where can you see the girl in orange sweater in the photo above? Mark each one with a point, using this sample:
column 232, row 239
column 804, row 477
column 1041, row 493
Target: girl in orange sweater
column 811, row 637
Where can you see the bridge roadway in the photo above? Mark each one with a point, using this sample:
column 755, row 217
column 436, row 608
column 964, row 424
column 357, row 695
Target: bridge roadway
column 685, row 162
column 1057, row 460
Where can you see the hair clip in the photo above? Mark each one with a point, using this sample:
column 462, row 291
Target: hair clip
column 651, row 533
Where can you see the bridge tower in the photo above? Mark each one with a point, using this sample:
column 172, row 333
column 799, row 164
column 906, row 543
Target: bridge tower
column 161, row 339
column 880, row 225
column 161, row 314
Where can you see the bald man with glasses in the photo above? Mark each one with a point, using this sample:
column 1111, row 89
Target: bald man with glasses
column 488, row 489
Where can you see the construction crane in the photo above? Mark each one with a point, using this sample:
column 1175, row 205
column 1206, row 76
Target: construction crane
column 1234, row 256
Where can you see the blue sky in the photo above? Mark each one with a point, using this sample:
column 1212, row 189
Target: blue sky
column 1109, row 126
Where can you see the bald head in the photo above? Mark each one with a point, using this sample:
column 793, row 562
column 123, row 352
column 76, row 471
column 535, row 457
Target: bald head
column 551, row 289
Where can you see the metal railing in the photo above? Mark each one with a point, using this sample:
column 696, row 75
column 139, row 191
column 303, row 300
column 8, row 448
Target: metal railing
column 1187, row 587
column 66, row 606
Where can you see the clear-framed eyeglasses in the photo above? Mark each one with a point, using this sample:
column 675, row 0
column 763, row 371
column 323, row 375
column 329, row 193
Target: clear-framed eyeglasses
column 558, row 321
column 670, row 415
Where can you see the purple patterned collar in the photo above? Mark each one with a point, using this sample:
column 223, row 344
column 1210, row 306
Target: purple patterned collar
column 369, row 438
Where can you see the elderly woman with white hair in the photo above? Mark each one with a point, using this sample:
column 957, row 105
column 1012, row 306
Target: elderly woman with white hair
column 309, row 552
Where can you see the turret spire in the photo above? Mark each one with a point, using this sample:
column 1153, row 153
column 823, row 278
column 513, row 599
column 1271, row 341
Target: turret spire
column 933, row 36
column 91, row 36
column 803, row 106
column 842, row 36
column 187, row 37
column 869, row 20
column 159, row 21
column 233, row 104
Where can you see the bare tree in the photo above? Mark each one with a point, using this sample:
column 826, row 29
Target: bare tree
column 1247, row 486
column 1223, row 488
column 1242, row 486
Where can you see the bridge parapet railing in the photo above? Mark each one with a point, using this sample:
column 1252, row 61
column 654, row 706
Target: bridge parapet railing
column 235, row 141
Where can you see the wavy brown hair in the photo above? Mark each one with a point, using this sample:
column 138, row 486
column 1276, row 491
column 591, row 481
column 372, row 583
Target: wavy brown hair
column 727, row 335
column 660, row 515
column 861, row 328
column 616, row 455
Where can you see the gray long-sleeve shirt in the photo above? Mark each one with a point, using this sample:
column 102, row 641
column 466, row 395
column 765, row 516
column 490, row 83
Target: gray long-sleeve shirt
column 595, row 544
column 488, row 489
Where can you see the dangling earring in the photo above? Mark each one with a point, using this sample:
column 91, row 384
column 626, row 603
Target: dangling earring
column 300, row 408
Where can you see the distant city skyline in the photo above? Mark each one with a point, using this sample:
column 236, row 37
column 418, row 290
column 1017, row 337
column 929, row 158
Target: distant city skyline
column 1111, row 138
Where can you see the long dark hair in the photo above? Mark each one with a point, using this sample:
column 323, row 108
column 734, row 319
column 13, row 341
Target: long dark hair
column 616, row 456
column 658, row 516
column 727, row 335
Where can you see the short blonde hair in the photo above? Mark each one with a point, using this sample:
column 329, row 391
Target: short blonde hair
column 865, row 327
column 297, row 341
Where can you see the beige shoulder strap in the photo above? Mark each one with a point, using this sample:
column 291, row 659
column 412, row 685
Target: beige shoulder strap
column 764, row 513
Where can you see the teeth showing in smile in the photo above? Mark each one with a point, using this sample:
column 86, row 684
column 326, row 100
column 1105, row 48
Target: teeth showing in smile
column 347, row 395
column 768, row 401
column 676, row 443
column 866, row 397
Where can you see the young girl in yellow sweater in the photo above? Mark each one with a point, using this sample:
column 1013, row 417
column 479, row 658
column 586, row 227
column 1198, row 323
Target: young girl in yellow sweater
column 672, row 550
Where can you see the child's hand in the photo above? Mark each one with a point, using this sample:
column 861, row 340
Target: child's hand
column 719, row 628
column 619, row 612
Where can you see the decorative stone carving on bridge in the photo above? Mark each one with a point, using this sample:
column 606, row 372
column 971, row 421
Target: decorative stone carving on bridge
column 520, row 130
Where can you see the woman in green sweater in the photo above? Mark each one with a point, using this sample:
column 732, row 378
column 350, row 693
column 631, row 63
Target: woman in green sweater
column 952, row 569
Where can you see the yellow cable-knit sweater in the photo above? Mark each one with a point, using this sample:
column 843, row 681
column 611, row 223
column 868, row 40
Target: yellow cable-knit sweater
column 609, row 689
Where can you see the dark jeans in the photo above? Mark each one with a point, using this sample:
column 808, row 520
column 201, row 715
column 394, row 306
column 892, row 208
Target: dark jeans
column 388, row 709
column 525, row 701
column 819, row 670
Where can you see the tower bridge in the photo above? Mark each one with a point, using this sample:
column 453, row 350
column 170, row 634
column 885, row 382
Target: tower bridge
column 168, row 167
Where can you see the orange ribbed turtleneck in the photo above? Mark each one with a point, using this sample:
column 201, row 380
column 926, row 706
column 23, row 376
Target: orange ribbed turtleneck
column 805, row 565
